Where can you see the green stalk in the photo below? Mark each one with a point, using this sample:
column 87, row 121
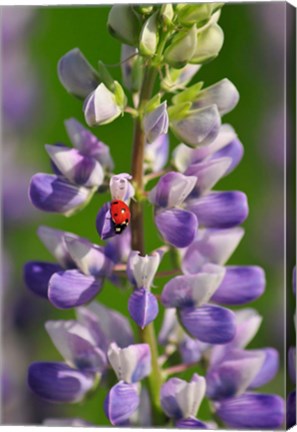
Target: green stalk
column 147, row 335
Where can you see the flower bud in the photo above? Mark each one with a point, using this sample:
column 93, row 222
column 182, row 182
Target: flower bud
column 209, row 44
column 101, row 107
column 149, row 36
column 198, row 127
column 167, row 13
column 178, row 78
column 155, row 123
column 189, row 14
column 124, row 24
column 132, row 68
column 76, row 74
column 182, row 48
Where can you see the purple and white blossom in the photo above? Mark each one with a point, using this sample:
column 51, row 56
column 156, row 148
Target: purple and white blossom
column 199, row 227
column 143, row 305
column 131, row 365
column 78, row 172
column 77, row 277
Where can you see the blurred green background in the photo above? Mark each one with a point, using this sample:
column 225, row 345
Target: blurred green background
column 252, row 58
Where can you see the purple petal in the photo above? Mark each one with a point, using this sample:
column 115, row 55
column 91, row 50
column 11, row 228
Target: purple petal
column 241, row 284
column 181, row 399
column 192, row 290
column 172, row 189
column 178, row 227
column 89, row 258
column 101, row 107
column 71, row 288
column 223, row 94
column 156, row 153
column 155, row 123
column 104, row 225
column 253, row 411
column 220, row 209
column 121, row 402
column 212, row 245
column 88, row 144
column 143, row 307
column 191, row 349
column 190, row 423
column 269, row 368
column 57, row 382
column 291, row 410
column 76, row 167
column 233, row 151
column 106, row 325
column 76, row 74
column 233, row 374
column 54, row 194
column 130, row 364
column 118, row 248
column 37, row 275
column 292, row 363
column 76, row 345
column 208, row 173
column 184, row 156
column 210, row 324
column 54, row 241
column 199, row 127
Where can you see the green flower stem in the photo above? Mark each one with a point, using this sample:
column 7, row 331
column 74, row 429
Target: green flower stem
column 147, row 335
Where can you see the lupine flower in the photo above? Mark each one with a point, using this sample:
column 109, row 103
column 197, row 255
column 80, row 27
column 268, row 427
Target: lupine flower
column 177, row 226
column 83, row 344
column 76, row 74
column 78, row 276
column 200, row 224
column 234, row 373
column 198, row 127
column 156, row 154
column 78, row 172
column 141, row 270
column 131, row 365
column 173, row 337
column 155, row 123
column 181, row 400
column 120, row 189
column 226, row 144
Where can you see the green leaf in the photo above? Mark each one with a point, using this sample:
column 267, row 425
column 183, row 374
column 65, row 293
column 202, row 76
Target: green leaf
column 120, row 96
column 149, row 36
column 105, row 76
column 188, row 95
column 152, row 104
column 178, row 112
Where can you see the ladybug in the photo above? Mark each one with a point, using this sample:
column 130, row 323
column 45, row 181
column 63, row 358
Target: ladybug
column 120, row 215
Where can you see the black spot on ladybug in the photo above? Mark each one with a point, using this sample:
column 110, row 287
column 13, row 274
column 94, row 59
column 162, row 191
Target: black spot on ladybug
column 115, row 202
column 115, row 214
column 126, row 221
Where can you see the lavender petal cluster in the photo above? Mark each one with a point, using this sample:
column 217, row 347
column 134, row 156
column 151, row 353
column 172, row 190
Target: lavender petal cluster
column 198, row 227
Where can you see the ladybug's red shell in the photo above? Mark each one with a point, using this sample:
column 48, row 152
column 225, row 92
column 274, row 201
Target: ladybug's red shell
column 120, row 215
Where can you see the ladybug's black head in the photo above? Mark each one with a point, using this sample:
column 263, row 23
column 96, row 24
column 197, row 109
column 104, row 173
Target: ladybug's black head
column 120, row 228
